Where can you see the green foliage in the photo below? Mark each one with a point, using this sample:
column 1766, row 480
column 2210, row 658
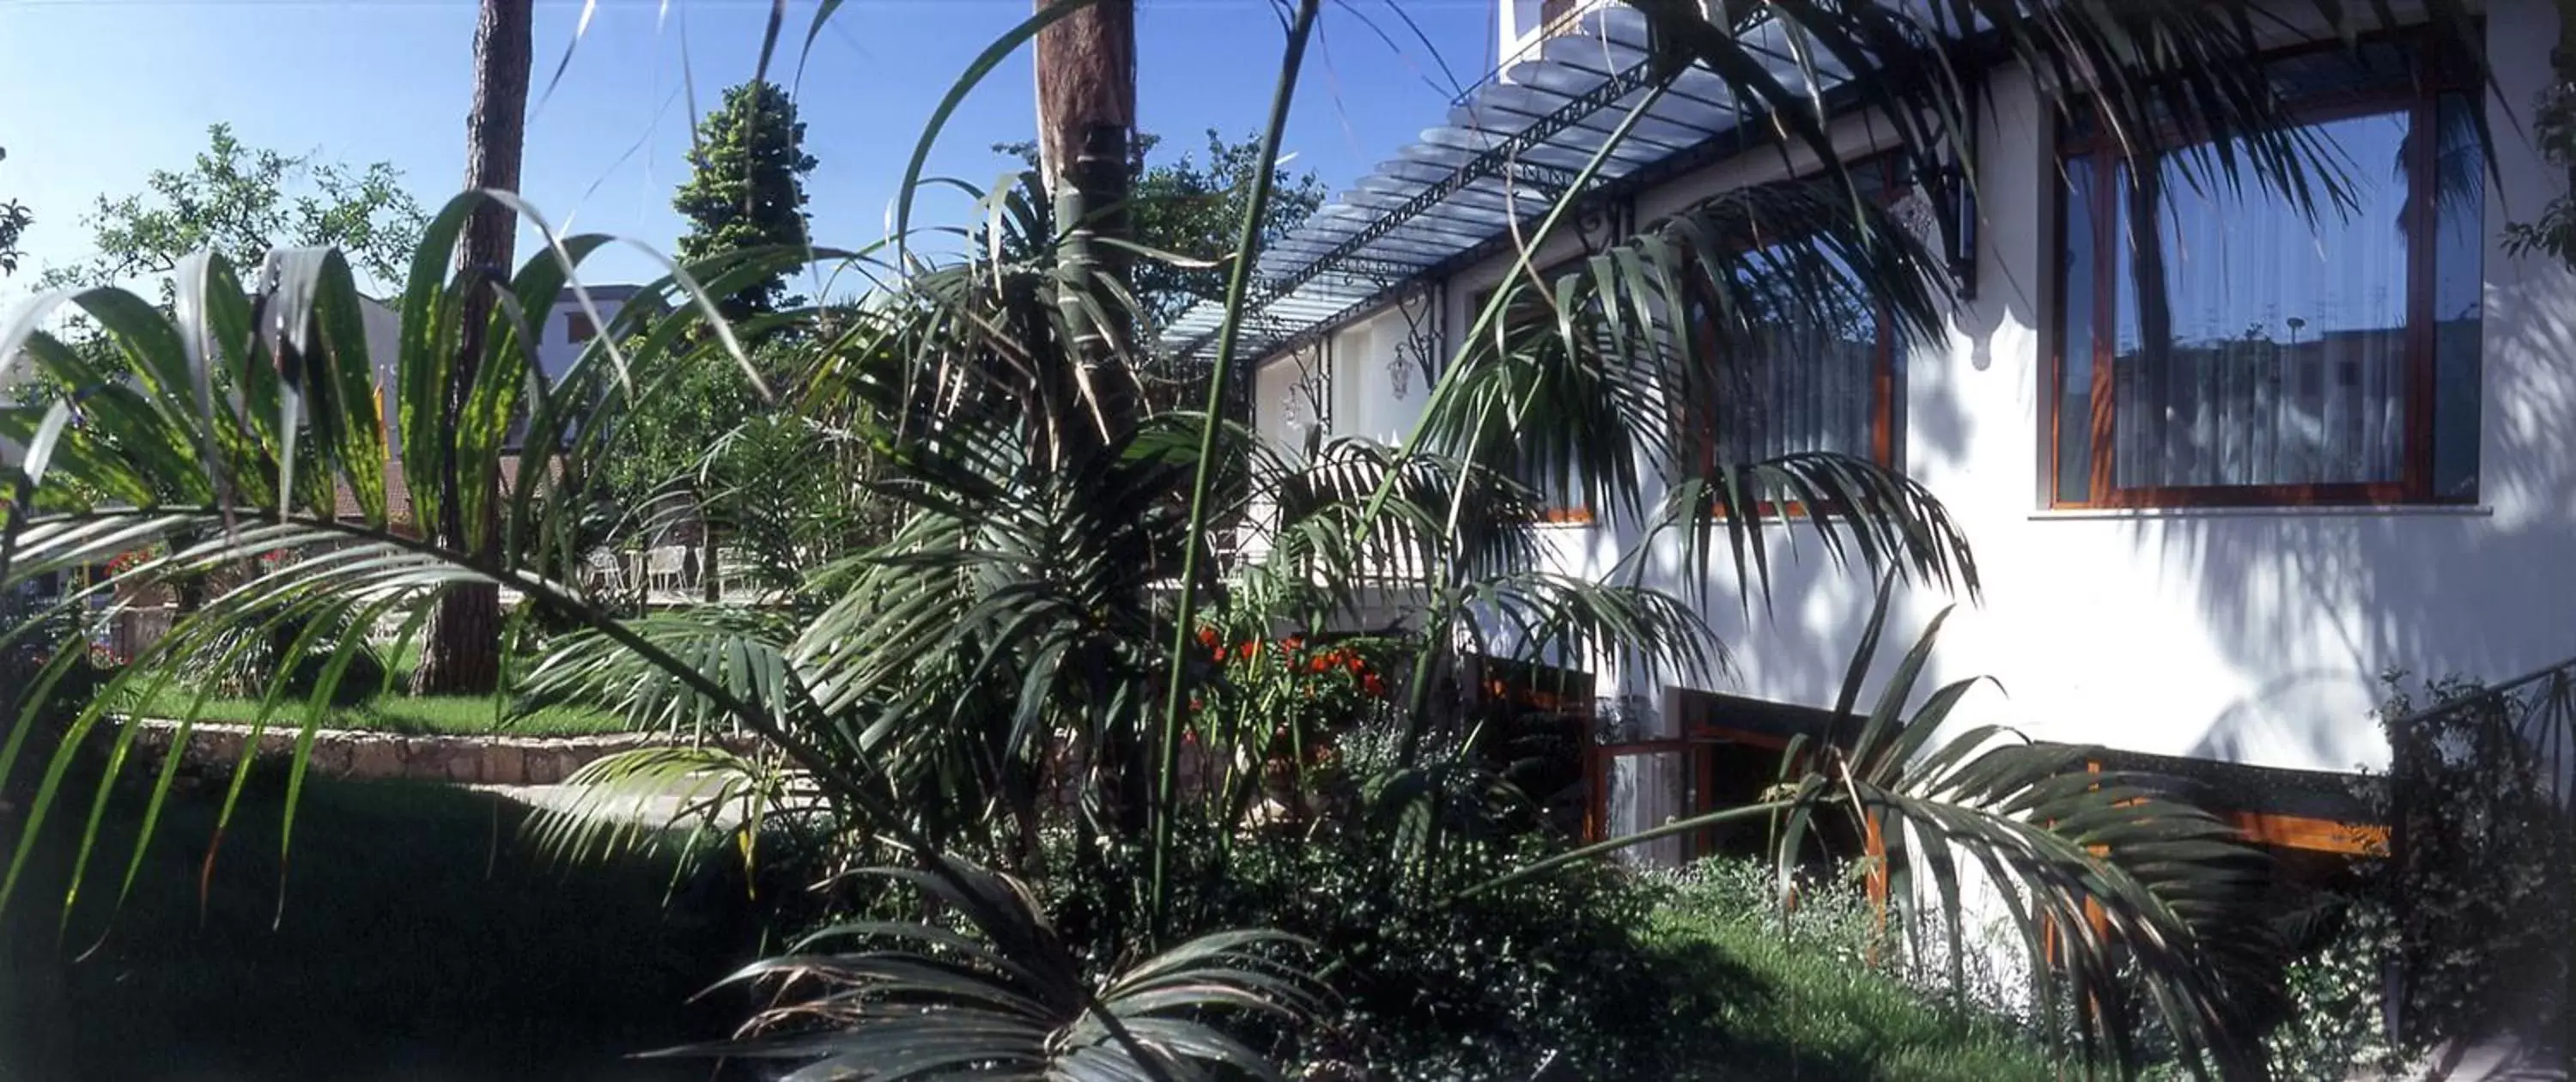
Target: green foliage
column 14, row 220
column 1192, row 209
column 420, row 715
column 2480, row 873
column 240, row 202
column 1812, row 990
column 1004, row 993
column 2128, row 903
column 1436, row 986
column 2553, row 134
column 2337, row 987
column 248, row 659
column 746, row 188
column 787, row 489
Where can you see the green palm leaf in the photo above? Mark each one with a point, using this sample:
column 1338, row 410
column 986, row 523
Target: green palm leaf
column 1011, row 1001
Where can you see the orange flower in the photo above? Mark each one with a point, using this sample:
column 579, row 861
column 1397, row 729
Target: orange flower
column 1321, row 663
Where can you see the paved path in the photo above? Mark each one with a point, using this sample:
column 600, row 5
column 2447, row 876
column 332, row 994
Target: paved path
column 645, row 809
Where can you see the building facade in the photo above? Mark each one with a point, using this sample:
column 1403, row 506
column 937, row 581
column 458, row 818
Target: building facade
column 2208, row 515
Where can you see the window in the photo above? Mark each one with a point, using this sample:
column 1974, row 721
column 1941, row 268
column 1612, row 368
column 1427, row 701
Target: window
column 2217, row 347
column 578, row 328
column 1818, row 379
column 1820, row 376
column 1531, row 323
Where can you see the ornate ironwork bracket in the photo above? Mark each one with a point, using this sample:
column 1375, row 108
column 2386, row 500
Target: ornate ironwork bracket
column 1425, row 336
column 1310, row 394
column 1600, row 222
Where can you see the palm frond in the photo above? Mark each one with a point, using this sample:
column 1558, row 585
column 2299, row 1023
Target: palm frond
column 923, row 1000
column 692, row 800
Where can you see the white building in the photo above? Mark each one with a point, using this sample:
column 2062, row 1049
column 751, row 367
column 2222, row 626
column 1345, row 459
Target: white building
column 566, row 329
column 2216, row 569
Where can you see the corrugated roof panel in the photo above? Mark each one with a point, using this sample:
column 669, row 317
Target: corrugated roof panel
column 1505, row 146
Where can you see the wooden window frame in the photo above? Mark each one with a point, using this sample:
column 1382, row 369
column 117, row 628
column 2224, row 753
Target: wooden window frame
column 1577, row 513
column 2429, row 80
column 1886, row 396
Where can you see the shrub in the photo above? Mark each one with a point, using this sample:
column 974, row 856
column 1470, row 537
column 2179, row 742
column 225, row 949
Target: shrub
column 2478, row 875
column 2336, row 985
column 243, row 661
column 1438, row 984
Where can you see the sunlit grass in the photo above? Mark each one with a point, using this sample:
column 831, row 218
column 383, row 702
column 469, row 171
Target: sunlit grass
column 1801, row 1005
column 433, row 715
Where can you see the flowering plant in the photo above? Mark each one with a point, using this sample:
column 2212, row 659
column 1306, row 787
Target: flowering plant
column 133, row 558
column 1277, row 704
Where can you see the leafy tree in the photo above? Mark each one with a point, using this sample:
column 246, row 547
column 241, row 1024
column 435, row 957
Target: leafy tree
column 1192, row 208
column 14, row 220
column 242, row 201
column 746, row 187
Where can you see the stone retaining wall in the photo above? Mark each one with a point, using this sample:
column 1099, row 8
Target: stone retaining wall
column 351, row 753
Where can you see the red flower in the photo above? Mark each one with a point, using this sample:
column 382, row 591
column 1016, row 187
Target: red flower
column 1372, row 686
column 1207, row 636
column 1357, row 664
column 1321, row 663
column 1293, row 643
column 1248, row 649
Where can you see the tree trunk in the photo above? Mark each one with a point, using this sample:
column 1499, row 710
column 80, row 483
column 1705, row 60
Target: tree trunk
column 710, row 572
column 1086, row 73
column 463, row 650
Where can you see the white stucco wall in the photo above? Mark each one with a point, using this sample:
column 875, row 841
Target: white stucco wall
column 556, row 350
column 2251, row 636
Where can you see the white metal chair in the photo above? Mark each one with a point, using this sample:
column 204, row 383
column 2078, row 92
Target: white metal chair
column 665, row 569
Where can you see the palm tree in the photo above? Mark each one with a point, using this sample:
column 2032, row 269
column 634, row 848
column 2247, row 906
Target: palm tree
column 462, row 652
column 1031, row 619
column 1086, row 76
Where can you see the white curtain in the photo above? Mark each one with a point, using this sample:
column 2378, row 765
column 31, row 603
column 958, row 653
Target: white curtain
column 2285, row 359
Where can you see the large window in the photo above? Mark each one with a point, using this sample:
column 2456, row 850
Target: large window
column 1821, row 374
column 2217, row 346
column 1818, row 378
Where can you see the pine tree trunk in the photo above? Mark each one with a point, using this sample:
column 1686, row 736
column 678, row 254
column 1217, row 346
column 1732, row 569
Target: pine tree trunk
column 463, row 647
column 1086, row 73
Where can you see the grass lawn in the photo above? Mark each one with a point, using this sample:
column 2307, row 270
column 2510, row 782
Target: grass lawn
column 399, row 713
column 396, row 712
column 1767, row 1006
column 416, row 941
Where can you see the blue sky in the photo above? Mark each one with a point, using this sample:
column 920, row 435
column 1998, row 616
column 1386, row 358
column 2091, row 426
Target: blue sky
column 99, row 92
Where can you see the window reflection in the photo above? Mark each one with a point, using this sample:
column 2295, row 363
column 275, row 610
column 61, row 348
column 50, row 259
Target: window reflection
column 2249, row 346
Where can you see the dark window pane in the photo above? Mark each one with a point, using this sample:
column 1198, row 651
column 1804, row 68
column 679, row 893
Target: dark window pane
column 2075, row 345
column 1802, row 377
column 2267, row 349
column 2459, row 250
